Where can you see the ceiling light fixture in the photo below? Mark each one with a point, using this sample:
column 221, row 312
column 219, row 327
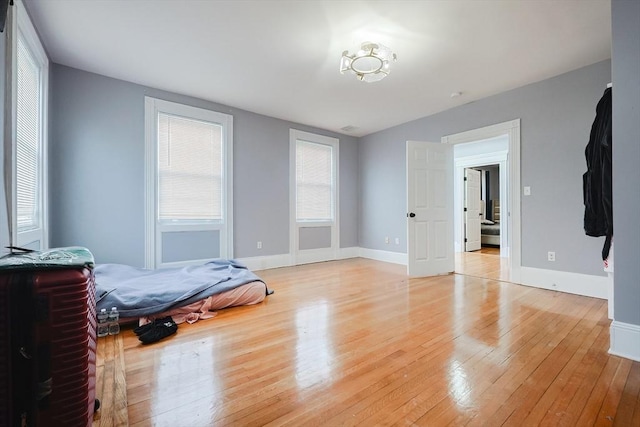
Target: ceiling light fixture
column 370, row 63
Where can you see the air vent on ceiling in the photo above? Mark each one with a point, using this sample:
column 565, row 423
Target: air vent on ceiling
column 349, row 128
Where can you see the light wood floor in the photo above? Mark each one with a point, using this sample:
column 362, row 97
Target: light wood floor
column 355, row 342
column 485, row 263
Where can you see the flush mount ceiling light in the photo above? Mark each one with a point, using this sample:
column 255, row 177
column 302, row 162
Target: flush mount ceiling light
column 370, row 63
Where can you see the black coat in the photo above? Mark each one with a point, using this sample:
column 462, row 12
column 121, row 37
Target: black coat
column 598, row 214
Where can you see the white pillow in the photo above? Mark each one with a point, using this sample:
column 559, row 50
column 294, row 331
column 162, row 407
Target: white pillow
column 487, row 222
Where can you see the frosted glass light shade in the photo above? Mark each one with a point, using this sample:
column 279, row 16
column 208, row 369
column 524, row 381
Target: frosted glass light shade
column 370, row 64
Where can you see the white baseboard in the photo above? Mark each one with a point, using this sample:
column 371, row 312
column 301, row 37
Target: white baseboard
column 309, row 256
column 266, row 262
column 286, row 260
column 352, row 252
column 625, row 340
column 386, row 256
column 573, row 283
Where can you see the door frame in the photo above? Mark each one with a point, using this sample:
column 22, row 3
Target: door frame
column 512, row 130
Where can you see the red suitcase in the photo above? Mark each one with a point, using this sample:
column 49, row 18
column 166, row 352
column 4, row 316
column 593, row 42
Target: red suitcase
column 47, row 338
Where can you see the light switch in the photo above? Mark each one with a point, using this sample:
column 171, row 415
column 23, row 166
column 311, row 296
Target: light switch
column 527, row 191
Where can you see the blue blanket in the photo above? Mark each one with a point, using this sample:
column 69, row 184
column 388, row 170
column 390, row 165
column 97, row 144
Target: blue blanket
column 138, row 292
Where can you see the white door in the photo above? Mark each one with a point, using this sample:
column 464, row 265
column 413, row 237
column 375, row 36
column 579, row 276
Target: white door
column 429, row 209
column 472, row 209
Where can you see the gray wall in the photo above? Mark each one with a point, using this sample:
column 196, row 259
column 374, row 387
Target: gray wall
column 97, row 170
column 556, row 117
column 626, row 159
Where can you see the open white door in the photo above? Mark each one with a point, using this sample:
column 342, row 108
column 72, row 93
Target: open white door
column 472, row 210
column 429, row 209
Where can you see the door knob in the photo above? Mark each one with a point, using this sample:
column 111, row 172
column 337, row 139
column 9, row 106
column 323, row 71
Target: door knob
column 411, row 215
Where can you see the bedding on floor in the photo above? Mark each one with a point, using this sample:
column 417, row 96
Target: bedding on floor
column 247, row 294
column 139, row 292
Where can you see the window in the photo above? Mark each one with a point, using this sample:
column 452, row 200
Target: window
column 188, row 184
column 314, row 197
column 190, row 169
column 314, row 181
column 30, row 136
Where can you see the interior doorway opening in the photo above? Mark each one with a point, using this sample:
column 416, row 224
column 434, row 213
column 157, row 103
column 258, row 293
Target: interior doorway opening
column 489, row 158
column 495, row 150
column 480, row 197
column 433, row 226
column 481, row 208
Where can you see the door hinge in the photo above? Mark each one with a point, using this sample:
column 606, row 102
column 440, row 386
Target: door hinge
column 465, row 209
column 465, row 178
column 465, row 240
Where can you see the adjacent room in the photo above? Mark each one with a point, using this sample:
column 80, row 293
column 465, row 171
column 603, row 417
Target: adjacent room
column 408, row 206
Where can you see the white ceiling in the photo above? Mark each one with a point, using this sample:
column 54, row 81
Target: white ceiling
column 281, row 58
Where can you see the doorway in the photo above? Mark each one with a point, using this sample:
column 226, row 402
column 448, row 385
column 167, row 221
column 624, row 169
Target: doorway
column 489, row 159
column 479, row 155
column 510, row 208
column 492, row 145
column 481, row 255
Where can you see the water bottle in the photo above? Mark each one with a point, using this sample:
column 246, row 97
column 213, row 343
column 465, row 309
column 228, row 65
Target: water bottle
column 103, row 326
column 114, row 317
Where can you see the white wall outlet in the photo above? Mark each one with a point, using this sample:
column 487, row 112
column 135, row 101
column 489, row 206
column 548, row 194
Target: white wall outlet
column 551, row 256
column 527, row 191
column 397, row 240
column 259, row 245
column 386, row 240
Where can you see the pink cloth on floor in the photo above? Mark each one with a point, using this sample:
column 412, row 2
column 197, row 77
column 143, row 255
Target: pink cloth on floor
column 251, row 293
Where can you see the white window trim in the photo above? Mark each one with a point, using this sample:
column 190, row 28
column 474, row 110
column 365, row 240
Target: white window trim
column 153, row 249
column 19, row 22
column 302, row 256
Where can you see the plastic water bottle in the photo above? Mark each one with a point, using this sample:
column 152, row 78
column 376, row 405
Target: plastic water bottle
column 114, row 317
column 103, row 325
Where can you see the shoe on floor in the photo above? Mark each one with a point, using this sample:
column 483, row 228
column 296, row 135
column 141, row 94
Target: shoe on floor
column 148, row 326
column 160, row 329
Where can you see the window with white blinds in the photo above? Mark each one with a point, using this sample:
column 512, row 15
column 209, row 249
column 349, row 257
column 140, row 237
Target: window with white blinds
column 28, row 139
column 190, row 169
column 28, row 68
column 314, row 229
column 188, row 185
column 314, row 181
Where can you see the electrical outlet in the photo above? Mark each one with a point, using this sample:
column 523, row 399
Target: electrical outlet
column 386, row 240
column 397, row 240
column 551, row 256
column 259, row 245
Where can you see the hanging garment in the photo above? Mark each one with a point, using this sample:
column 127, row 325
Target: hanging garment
column 597, row 190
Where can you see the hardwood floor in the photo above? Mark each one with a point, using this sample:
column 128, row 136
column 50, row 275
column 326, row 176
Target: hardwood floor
column 490, row 250
column 356, row 342
column 485, row 263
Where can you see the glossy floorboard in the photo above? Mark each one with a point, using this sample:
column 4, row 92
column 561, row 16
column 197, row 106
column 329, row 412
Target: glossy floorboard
column 485, row 263
column 355, row 342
